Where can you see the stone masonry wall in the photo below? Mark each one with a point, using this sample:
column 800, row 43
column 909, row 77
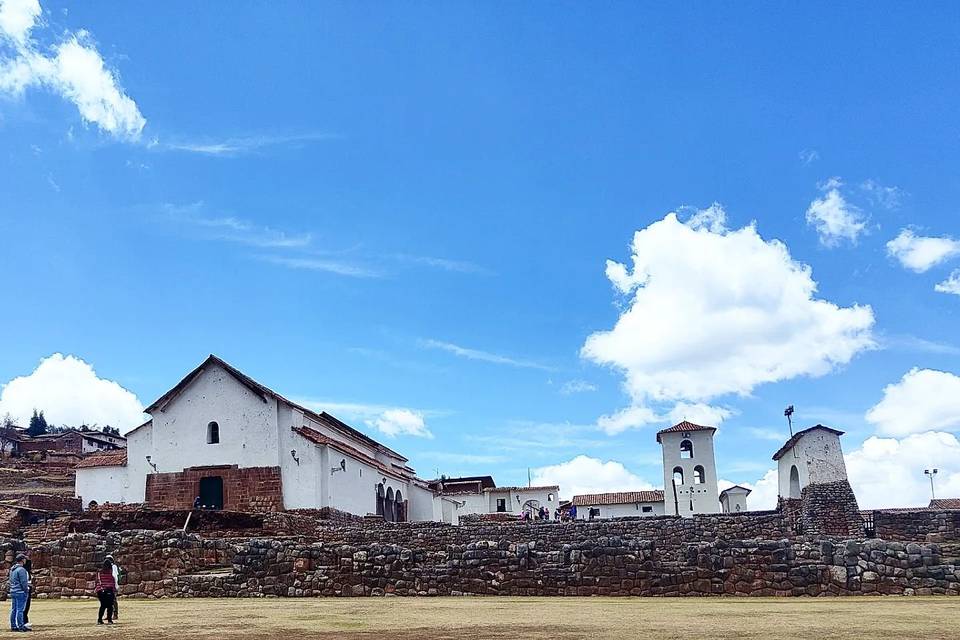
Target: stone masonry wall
column 176, row 564
column 929, row 525
column 830, row 509
column 256, row 489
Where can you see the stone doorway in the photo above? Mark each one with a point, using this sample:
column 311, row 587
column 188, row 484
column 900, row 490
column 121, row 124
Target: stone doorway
column 211, row 492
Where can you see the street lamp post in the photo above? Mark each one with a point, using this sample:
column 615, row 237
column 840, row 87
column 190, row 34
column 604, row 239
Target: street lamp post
column 931, row 473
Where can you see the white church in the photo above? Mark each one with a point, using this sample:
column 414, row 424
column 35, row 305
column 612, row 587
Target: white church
column 225, row 439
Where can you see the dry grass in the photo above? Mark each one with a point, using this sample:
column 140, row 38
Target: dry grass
column 509, row 618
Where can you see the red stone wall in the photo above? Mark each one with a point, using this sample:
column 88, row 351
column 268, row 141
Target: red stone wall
column 72, row 442
column 248, row 489
column 48, row 502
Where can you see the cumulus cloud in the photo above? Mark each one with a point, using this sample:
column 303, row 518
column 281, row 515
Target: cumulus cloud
column 951, row 284
column 400, row 422
column 69, row 392
column 73, row 68
column 920, row 253
column 712, row 311
column 923, row 400
column 834, row 218
column 887, row 472
column 584, row 474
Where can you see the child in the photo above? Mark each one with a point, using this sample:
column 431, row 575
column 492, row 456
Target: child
column 106, row 589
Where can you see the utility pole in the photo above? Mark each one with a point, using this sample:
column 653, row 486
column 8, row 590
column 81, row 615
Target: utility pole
column 789, row 413
column 931, row 474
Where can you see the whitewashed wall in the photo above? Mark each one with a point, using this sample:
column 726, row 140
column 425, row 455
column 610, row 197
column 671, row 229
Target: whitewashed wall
column 421, row 505
column 706, row 497
column 818, row 458
column 734, row 501
column 101, row 484
column 621, row 510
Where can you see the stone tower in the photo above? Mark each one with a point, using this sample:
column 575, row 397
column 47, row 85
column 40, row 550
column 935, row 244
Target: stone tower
column 689, row 469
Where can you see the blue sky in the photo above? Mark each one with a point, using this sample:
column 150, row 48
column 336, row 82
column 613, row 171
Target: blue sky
column 403, row 213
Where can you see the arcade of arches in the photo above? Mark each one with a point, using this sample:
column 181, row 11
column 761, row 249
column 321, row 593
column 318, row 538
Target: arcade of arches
column 390, row 504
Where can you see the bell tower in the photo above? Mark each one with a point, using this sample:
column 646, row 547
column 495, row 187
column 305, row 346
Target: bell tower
column 689, row 469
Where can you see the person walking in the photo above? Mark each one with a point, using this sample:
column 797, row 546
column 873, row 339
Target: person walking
column 106, row 589
column 19, row 588
column 116, row 585
column 28, row 565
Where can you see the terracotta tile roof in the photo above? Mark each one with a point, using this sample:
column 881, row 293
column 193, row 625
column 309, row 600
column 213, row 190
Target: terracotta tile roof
column 262, row 391
column 623, row 497
column 945, row 503
column 115, row 458
column 684, row 427
column 796, row 438
column 549, row 487
column 318, row 438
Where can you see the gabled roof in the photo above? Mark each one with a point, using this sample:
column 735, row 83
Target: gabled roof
column 145, row 424
column 736, row 486
column 547, row 487
column 684, row 427
column 799, row 434
column 319, row 439
column 115, row 458
column 945, row 503
column 265, row 392
column 455, row 484
column 623, row 497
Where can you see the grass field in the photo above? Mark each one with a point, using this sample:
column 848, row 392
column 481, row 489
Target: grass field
column 508, row 618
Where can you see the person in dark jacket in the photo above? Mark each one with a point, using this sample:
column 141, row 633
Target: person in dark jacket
column 28, row 565
column 19, row 588
column 106, row 589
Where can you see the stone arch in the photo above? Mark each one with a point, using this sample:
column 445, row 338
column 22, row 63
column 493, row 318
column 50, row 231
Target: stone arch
column 381, row 510
column 678, row 475
column 686, row 450
column 399, row 510
column 699, row 475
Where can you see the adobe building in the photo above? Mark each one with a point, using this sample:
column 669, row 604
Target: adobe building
column 481, row 495
column 599, row 506
column 810, row 456
column 239, row 445
column 734, row 499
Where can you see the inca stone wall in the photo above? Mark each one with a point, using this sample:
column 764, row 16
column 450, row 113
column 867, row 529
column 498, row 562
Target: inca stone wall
column 928, row 525
column 831, row 509
column 705, row 555
column 247, row 489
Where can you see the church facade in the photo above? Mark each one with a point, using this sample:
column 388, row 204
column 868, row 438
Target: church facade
column 235, row 444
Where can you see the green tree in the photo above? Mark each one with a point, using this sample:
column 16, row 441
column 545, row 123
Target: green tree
column 38, row 424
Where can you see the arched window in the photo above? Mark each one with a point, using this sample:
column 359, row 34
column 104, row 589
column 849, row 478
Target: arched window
column 380, row 498
column 794, row 482
column 391, row 513
column 213, row 433
column 549, row 497
column 698, row 477
column 401, row 515
column 686, row 450
column 677, row 475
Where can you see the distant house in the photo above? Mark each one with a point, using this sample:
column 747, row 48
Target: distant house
column 11, row 439
column 595, row 506
column 71, row 441
column 481, row 495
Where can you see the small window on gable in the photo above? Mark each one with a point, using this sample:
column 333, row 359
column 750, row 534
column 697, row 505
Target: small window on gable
column 686, row 450
column 213, row 433
column 698, row 475
column 549, row 497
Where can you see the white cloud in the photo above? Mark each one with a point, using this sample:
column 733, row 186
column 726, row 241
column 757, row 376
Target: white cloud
column 69, row 392
column 400, row 422
column 323, row 264
column 717, row 312
column 17, row 18
column 762, row 433
column 920, row 253
column 887, row 472
column 577, row 386
column 240, row 145
column 584, row 474
column 391, row 421
column 834, row 217
column 73, row 68
column 808, row 156
column 483, row 356
column 445, row 264
column 698, row 413
column 951, row 284
column 923, row 400
column 886, row 197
